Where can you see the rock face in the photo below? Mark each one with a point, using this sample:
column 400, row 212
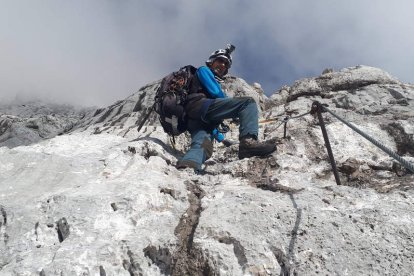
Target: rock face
column 106, row 200
column 28, row 123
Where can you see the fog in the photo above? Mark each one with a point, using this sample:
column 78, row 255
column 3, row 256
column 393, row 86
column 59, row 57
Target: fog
column 92, row 53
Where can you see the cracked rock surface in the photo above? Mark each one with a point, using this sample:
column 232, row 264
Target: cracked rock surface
column 30, row 122
column 103, row 199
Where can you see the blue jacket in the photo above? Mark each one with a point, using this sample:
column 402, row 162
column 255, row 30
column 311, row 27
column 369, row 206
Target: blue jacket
column 211, row 87
column 209, row 83
column 204, row 89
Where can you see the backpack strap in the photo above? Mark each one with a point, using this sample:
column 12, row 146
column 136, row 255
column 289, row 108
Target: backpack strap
column 173, row 122
column 172, row 140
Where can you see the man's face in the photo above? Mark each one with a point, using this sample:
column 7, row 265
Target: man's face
column 220, row 66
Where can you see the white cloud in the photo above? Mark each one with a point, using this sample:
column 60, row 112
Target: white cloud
column 96, row 52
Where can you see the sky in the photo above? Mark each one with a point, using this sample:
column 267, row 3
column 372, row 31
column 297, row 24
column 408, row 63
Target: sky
column 95, row 52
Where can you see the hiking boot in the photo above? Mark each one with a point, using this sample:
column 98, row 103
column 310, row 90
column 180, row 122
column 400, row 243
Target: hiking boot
column 187, row 165
column 249, row 146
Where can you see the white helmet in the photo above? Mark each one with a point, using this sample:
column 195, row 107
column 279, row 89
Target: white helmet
column 222, row 53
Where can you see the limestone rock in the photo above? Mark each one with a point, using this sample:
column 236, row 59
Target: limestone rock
column 31, row 122
column 104, row 199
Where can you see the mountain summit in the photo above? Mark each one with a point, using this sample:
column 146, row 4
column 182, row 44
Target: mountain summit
column 89, row 195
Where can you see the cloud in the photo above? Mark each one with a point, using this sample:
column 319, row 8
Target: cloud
column 96, row 52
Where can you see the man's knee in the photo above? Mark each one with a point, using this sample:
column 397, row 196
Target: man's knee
column 246, row 101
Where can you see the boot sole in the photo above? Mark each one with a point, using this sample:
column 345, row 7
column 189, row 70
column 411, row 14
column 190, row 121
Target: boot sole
column 260, row 155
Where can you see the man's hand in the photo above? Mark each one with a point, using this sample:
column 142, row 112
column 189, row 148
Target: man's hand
column 217, row 135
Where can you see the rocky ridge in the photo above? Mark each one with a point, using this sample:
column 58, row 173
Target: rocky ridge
column 106, row 200
column 30, row 122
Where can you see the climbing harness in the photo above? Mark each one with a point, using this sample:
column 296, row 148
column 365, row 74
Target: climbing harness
column 318, row 108
column 218, row 133
column 223, row 128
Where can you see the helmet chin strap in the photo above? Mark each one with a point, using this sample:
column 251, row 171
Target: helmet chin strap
column 217, row 75
column 219, row 78
column 216, row 72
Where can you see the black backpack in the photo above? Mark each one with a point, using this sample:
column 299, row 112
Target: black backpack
column 170, row 99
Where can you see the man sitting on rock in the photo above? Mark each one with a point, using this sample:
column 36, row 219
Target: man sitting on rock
column 207, row 106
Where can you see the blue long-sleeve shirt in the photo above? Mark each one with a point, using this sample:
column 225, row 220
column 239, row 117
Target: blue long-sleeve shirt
column 213, row 88
column 211, row 85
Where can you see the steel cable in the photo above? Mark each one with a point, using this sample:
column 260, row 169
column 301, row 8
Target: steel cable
column 390, row 152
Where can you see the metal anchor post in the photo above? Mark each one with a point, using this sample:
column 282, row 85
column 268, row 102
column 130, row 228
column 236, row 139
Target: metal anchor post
column 317, row 107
